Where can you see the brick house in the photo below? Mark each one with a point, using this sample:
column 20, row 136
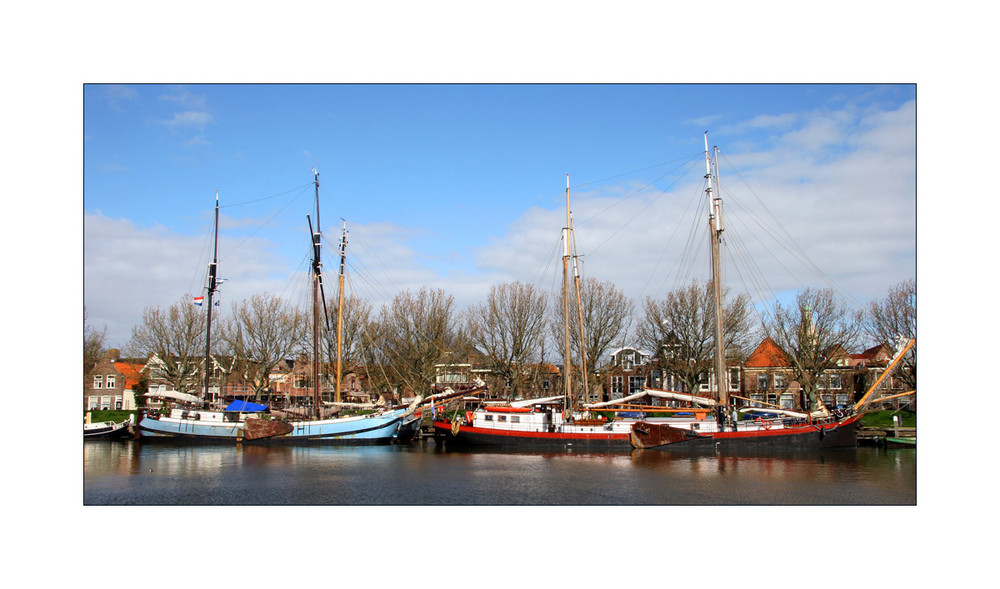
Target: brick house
column 768, row 378
column 108, row 385
column 628, row 371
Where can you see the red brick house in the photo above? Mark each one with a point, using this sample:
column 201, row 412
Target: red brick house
column 108, row 385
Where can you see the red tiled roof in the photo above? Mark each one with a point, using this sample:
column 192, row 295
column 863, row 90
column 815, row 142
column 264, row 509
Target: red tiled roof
column 766, row 355
column 130, row 372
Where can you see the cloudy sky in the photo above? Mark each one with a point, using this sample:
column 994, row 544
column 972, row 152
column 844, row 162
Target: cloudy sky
column 463, row 186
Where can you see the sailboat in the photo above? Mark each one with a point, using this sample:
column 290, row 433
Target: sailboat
column 379, row 427
column 548, row 421
column 192, row 423
column 795, row 430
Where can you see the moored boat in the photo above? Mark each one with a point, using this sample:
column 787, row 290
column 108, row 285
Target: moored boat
column 193, row 423
column 107, row 429
column 796, row 430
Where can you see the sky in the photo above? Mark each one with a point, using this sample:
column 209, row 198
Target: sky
column 463, row 186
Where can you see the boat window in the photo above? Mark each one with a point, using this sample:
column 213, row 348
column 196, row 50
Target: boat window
column 515, row 419
column 502, row 418
column 489, row 417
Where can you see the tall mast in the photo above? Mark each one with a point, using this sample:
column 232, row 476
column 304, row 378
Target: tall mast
column 568, row 359
column 715, row 232
column 340, row 308
column 579, row 311
column 212, row 273
column 317, row 269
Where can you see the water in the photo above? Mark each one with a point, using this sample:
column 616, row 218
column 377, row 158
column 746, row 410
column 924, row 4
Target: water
column 135, row 473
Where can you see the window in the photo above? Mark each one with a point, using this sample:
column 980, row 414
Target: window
column 616, row 385
column 515, row 419
column 779, row 382
column 91, row 402
column 489, row 417
column 105, row 401
column 835, row 381
column 734, row 379
column 110, row 381
column 636, row 383
column 761, row 382
column 98, row 381
column 787, row 401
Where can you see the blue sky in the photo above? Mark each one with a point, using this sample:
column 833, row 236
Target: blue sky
column 463, row 186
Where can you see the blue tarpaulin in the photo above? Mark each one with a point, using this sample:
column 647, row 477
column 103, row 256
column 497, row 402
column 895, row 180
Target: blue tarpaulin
column 245, row 406
column 632, row 414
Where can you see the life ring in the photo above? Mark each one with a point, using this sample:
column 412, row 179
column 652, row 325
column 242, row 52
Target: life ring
column 758, row 420
column 768, row 424
column 468, row 417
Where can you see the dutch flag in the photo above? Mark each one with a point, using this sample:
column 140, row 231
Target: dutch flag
column 198, row 300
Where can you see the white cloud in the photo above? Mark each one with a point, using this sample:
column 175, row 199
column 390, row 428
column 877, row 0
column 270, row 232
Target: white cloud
column 840, row 183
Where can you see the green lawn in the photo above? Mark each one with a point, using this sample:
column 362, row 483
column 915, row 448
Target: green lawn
column 97, row 416
column 883, row 419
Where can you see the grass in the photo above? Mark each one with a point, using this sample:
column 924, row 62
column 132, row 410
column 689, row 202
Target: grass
column 100, row 415
column 883, row 419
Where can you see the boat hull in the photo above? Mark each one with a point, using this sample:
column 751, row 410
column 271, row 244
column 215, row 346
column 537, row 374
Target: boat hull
column 662, row 436
column 189, row 430
column 595, row 437
column 360, row 430
column 111, row 431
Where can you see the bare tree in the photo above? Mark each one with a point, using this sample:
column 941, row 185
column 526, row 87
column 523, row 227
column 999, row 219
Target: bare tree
column 509, row 329
column 93, row 344
column 260, row 333
column 414, row 333
column 808, row 333
column 607, row 313
column 893, row 317
column 357, row 321
column 176, row 337
column 680, row 330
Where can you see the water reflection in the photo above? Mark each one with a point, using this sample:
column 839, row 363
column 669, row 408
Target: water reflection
column 426, row 474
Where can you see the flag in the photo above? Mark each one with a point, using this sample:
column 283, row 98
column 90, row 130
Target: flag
column 198, row 300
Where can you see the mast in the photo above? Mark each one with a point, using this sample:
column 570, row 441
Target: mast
column 579, row 311
column 317, row 269
column 715, row 233
column 568, row 359
column 340, row 309
column 212, row 273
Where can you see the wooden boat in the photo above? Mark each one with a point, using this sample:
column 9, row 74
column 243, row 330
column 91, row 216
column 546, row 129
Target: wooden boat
column 901, row 442
column 195, row 424
column 542, row 422
column 818, row 429
column 108, row 430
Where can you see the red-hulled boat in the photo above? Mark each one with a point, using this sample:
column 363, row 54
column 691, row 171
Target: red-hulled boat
column 531, row 423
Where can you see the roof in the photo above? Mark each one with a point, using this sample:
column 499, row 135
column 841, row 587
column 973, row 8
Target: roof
column 130, row 371
column 766, row 355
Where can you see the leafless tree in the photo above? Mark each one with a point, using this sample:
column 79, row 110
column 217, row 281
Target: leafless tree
column 680, row 331
column 357, row 322
column 607, row 313
column 93, row 344
column 509, row 328
column 176, row 337
column 893, row 317
column 260, row 333
column 808, row 332
column 414, row 333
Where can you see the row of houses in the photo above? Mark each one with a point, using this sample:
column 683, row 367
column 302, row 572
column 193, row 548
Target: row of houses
column 763, row 377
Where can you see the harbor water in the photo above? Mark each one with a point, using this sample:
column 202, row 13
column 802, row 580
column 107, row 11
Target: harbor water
column 424, row 473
